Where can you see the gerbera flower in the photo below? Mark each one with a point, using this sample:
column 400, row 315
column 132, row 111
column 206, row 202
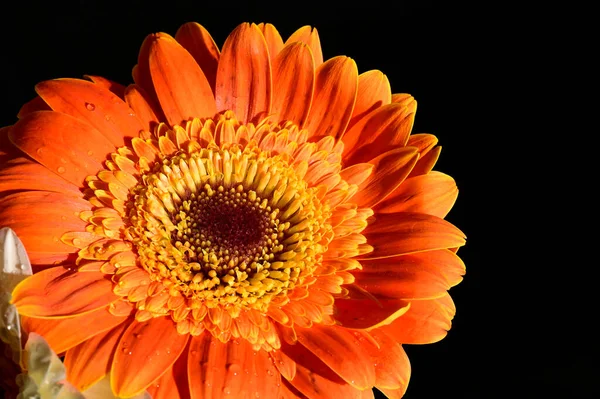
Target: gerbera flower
column 250, row 221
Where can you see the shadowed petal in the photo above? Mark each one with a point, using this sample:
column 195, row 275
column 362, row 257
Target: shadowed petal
column 384, row 129
column 273, row 39
column 180, row 84
column 88, row 362
column 314, row 378
column 426, row 321
column 433, row 194
column 422, row 275
column 60, row 292
column 145, row 352
column 64, row 334
column 366, row 314
column 36, row 104
column 293, row 83
column 244, row 74
column 147, row 111
column 200, row 44
column 340, row 349
column 373, row 91
column 390, row 170
column 336, row 83
column 402, row 233
column 310, row 36
column 174, row 383
column 108, row 84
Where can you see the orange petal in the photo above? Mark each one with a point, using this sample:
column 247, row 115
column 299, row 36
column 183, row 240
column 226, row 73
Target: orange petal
column 402, row 233
column 244, row 74
column 93, row 104
column 385, row 128
column 285, row 365
column 310, row 36
column 426, row 162
column 88, row 362
column 287, row 391
column 336, row 83
column 7, row 150
column 425, row 322
column 373, row 92
column 67, row 146
column 273, row 39
column 339, row 349
column 60, row 292
column 390, row 170
column 141, row 71
column 37, row 104
column 293, row 83
column 392, row 367
column 64, row 334
column 231, row 368
column 434, row 194
column 402, row 98
column 40, row 219
column 24, row 174
column 174, row 383
column 200, row 44
column 366, row 314
column 423, row 275
column 314, row 378
column 144, row 107
column 145, row 352
column 108, row 84
column 180, row 84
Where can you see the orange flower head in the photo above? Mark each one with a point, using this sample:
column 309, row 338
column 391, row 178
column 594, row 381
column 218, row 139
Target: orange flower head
column 244, row 222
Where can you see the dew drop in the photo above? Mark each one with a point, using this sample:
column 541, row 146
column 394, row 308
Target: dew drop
column 90, row 153
column 194, row 353
column 61, row 169
column 234, row 369
column 40, row 151
column 63, row 217
column 90, row 106
column 107, row 117
column 270, row 372
column 226, row 391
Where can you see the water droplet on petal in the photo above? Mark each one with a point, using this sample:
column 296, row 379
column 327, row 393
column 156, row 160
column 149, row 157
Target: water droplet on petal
column 40, row 151
column 107, row 117
column 90, row 153
column 234, row 369
column 194, row 353
column 90, row 106
column 226, row 391
column 61, row 169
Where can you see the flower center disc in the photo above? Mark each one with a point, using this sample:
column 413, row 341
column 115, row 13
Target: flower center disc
column 226, row 225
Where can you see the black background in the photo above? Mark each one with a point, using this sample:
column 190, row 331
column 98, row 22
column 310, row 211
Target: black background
column 511, row 336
